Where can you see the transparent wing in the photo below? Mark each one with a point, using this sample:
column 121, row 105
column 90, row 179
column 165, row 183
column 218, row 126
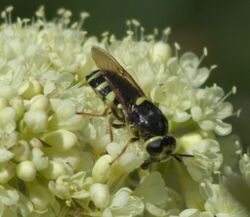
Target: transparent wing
column 105, row 61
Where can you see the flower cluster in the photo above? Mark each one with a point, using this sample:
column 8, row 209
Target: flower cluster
column 55, row 160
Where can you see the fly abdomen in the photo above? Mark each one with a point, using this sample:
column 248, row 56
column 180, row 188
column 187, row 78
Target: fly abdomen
column 95, row 78
column 97, row 81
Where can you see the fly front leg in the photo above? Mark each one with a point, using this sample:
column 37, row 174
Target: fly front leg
column 124, row 149
column 148, row 162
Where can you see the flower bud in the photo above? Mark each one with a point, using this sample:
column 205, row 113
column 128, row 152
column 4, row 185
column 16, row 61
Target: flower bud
column 161, row 52
column 26, row 171
column 3, row 103
column 21, row 151
column 6, row 173
column 196, row 113
column 189, row 140
column 39, row 196
column 5, row 155
column 107, row 213
column 30, row 89
column 39, row 102
column 63, row 108
column 101, row 169
column 245, row 168
column 6, row 92
column 8, row 113
column 99, row 194
column 17, row 104
column 206, row 190
column 60, row 139
column 54, row 170
column 190, row 213
column 36, row 120
column 39, row 159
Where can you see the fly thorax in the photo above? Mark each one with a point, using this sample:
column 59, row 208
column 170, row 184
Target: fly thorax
column 148, row 118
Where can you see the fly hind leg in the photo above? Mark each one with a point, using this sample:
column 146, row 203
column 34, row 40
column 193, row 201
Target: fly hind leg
column 117, row 114
column 112, row 124
column 107, row 111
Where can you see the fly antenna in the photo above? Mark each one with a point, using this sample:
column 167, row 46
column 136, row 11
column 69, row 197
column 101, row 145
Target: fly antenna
column 179, row 157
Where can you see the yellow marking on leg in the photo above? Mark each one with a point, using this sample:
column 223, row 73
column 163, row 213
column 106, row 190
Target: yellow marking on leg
column 140, row 100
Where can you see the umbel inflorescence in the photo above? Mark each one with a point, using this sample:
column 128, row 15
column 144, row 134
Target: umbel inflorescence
column 56, row 162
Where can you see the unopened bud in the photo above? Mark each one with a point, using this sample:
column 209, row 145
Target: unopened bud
column 39, row 102
column 54, row 170
column 39, row 159
column 26, row 171
column 30, row 89
column 60, row 139
column 17, row 104
column 6, row 172
column 161, row 52
column 99, row 194
column 101, row 169
column 36, row 120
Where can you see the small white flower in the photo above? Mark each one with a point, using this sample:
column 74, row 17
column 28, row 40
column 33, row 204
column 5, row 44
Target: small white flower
column 189, row 67
column 210, row 110
column 193, row 213
column 66, row 187
column 174, row 97
column 158, row 200
column 245, row 168
column 207, row 159
column 220, row 202
column 124, row 204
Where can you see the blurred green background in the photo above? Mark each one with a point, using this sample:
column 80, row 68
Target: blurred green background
column 222, row 26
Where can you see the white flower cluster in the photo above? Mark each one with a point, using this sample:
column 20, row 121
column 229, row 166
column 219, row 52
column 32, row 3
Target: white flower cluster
column 56, row 162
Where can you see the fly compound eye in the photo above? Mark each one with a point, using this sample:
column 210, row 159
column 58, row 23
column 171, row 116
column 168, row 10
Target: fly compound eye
column 169, row 141
column 155, row 147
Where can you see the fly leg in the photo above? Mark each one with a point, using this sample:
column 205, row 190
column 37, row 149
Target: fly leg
column 124, row 149
column 114, row 125
column 117, row 115
column 106, row 112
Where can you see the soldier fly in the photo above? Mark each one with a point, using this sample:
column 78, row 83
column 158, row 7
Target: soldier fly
column 128, row 103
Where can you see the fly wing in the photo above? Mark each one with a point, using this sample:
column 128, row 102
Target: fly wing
column 126, row 94
column 105, row 61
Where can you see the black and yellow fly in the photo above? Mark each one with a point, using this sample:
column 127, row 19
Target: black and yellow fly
column 128, row 103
